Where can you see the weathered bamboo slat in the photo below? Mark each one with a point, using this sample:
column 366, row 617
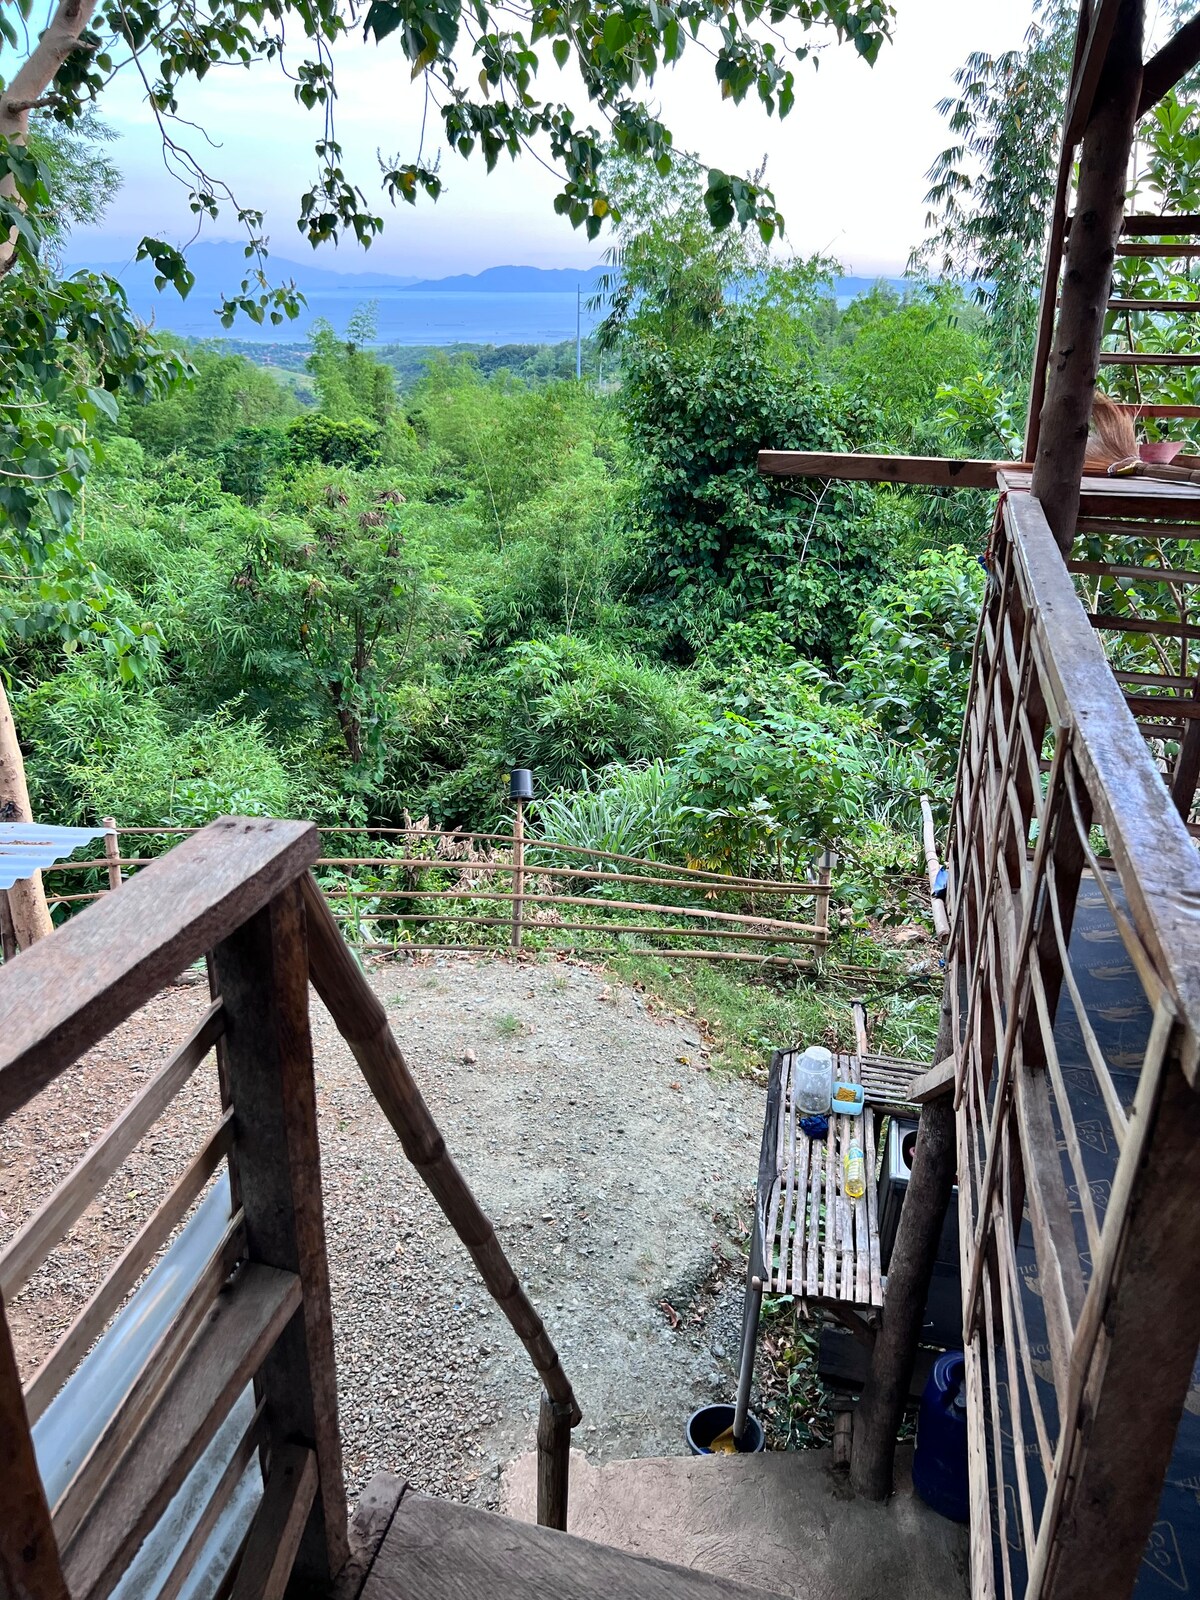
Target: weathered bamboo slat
column 816, row 889
column 579, row 927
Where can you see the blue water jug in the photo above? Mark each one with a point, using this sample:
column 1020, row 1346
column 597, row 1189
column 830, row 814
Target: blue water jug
column 940, row 1462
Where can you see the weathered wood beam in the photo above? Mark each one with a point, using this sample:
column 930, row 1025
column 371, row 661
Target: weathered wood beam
column 1086, row 78
column 934, row 472
column 1174, row 61
column 881, row 1408
column 1087, row 280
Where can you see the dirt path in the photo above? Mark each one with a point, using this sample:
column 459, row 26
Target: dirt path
column 613, row 1162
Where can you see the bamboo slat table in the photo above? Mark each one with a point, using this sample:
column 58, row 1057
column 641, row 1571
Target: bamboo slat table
column 822, row 1245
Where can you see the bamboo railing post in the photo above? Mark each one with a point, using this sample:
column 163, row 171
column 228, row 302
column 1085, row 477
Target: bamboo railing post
column 518, row 872
column 821, row 908
column 553, row 1463
column 112, row 851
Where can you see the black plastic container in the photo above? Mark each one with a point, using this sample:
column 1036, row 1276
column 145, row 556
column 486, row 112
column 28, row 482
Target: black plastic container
column 704, row 1425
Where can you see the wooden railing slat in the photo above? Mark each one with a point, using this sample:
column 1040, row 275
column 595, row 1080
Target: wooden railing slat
column 274, row 1538
column 33, row 1243
column 218, row 1365
column 66, row 992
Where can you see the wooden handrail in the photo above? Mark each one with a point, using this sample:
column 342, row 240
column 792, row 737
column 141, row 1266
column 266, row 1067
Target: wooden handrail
column 65, row 993
column 933, row 472
column 361, row 1020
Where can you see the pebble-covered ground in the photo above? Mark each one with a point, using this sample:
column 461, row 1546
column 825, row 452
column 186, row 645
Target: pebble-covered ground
column 613, row 1162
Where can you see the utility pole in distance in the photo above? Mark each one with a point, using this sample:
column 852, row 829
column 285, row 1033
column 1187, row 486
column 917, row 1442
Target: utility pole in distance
column 578, row 333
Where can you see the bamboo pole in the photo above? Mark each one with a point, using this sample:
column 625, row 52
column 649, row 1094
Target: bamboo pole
column 572, row 927
column 821, row 909
column 362, row 1021
column 941, row 920
column 112, row 851
column 26, row 898
column 518, row 867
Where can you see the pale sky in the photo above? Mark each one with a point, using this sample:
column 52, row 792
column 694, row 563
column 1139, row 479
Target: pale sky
column 848, row 166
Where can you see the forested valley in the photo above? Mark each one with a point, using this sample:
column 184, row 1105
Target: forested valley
column 366, row 596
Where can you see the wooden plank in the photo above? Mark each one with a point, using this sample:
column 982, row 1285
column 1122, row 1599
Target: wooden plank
column 1189, row 307
column 104, row 1304
column 1117, row 569
column 1148, row 532
column 131, row 1411
column 1159, row 627
column 793, row 1211
column 261, row 971
column 1162, row 72
column 222, row 1359
column 931, row 471
column 1126, row 248
column 33, row 1243
column 1147, row 358
column 1162, row 409
column 278, row 1524
column 442, row 1550
column 1085, row 79
column 68, row 991
column 30, row 1568
column 939, row 1080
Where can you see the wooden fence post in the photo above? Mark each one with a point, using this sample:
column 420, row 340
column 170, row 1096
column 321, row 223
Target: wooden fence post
column 821, row 909
column 112, row 851
column 518, row 872
column 261, row 973
column 553, row 1463
column 8, row 933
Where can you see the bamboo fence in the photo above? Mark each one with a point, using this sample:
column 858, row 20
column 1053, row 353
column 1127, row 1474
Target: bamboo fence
column 513, row 888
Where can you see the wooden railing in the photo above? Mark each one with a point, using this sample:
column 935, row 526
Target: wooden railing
column 423, row 896
column 256, row 1312
column 1074, row 968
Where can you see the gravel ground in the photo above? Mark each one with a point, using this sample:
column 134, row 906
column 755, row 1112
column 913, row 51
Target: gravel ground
column 616, row 1166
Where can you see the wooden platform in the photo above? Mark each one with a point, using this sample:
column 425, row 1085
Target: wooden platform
column 440, row 1550
column 821, row 1245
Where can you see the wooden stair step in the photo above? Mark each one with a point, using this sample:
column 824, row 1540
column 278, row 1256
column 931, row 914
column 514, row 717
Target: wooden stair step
column 442, row 1550
column 217, row 1366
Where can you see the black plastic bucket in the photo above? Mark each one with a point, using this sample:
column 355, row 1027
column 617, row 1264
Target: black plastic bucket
column 704, row 1425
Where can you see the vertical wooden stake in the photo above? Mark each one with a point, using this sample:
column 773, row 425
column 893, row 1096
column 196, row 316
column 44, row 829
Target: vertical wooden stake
column 553, row 1464
column 26, row 898
column 112, row 850
column 518, row 873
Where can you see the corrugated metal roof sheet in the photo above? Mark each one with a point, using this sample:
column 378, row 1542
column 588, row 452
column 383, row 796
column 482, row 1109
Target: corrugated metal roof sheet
column 29, row 847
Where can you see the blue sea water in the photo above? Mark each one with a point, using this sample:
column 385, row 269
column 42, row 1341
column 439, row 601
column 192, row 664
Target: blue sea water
column 403, row 316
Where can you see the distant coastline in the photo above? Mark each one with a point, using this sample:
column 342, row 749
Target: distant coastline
column 501, row 305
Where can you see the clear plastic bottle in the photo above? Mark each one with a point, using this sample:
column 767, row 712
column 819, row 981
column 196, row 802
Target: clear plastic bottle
column 856, row 1173
column 814, row 1082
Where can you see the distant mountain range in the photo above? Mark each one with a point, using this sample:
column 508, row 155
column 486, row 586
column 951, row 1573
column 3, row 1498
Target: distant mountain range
column 512, row 303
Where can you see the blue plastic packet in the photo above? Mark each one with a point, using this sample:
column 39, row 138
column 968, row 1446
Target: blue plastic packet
column 814, row 1127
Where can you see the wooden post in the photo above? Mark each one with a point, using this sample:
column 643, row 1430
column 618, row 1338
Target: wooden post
column 26, row 898
column 553, row 1463
column 30, row 1568
column 8, row 934
column 112, row 850
column 518, row 872
column 1087, row 278
column 821, row 909
column 885, row 1393
column 261, row 974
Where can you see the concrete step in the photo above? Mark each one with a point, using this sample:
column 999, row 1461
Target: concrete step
column 784, row 1521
